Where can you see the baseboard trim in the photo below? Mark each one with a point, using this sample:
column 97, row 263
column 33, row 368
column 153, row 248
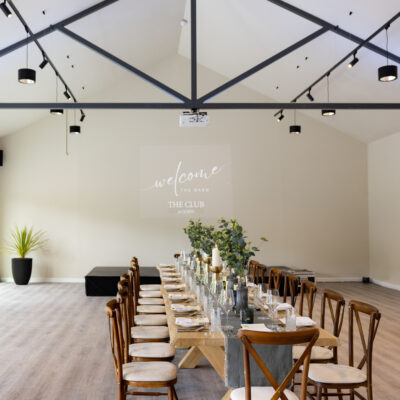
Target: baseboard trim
column 385, row 284
column 337, row 279
column 48, row 280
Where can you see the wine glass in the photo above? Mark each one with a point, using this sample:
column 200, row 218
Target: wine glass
column 272, row 302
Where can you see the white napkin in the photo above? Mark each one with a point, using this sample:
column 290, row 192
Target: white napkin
column 304, row 321
column 189, row 322
column 171, row 274
column 178, row 296
column 256, row 327
column 283, row 307
column 170, row 279
column 175, row 287
column 184, row 308
column 165, row 265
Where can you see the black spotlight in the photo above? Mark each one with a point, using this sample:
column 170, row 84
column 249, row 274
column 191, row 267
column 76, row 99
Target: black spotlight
column 353, row 62
column 5, row 10
column 387, row 73
column 75, row 130
column 295, row 129
column 43, row 63
column 328, row 113
column 280, row 118
column 82, row 118
column 57, row 111
column 26, row 75
column 310, row 96
column 66, row 94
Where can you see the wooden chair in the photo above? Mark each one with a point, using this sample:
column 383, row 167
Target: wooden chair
column 276, row 390
column 143, row 300
column 275, row 278
column 154, row 374
column 351, row 377
column 308, row 292
column 256, row 271
column 141, row 333
column 290, row 288
column 147, row 287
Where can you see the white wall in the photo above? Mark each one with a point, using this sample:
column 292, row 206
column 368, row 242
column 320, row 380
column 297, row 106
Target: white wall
column 308, row 194
column 384, row 209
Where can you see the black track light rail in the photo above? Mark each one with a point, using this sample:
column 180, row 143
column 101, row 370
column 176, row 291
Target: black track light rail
column 45, row 55
column 334, row 28
column 343, row 59
column 206, row 106
column 54, row 27
column 193, row 47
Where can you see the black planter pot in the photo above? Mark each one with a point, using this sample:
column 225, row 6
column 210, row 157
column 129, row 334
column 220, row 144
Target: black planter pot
column 21, row 270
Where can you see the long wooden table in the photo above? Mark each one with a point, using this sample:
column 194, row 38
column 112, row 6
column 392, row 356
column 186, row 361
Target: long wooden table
column 211, row 345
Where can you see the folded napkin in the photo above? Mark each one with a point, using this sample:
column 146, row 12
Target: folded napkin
column 170, row 274
column 184, row 308
column 165, row 265
column 189, row 322
column 256, row 327
column 175, row 287
column 283, row 307
column 171, row 279
column 178, row 296
column 304, row 321
column 166, row 269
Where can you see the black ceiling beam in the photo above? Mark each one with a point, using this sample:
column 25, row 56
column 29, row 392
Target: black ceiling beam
column 124, row 64
column 52, row 28
column 209, row 106
column 343, row 59
column 263, row 64
column 334, row 29
column 193, row 47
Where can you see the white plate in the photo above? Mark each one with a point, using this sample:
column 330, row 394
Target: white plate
column 256, row 327
column 190, row 322
column 301, row 322
column 283, row 307
column 171, row 288
column 184, row 308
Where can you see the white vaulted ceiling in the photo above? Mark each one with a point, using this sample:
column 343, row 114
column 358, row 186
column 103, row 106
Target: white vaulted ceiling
column 233, row 36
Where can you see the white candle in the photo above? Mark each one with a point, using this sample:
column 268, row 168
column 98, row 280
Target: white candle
column 216, row 258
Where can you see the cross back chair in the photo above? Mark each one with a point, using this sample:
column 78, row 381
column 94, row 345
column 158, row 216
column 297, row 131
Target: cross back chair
column 276, row 390
column 352, row 376
column 308, row 292
column 155, row 374
column 154, row 304
column 290, row 288
column 147, row 287
column 275, row 278
column 256, row 271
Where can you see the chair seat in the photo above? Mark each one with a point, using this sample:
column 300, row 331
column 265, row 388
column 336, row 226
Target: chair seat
column 153, row 371
column 151, row 309
column 317, row 352
column 260, row 393
column 152, row 319
column 149, row 332
column 334, row 373
column 151, row 350
column 150, row 293
column 150, row 287
column 151, row 300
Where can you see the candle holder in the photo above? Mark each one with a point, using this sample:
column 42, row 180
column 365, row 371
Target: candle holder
column 207, row 262
column 216, row 270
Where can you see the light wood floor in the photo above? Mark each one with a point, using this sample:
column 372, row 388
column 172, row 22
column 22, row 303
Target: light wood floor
column 54, row 345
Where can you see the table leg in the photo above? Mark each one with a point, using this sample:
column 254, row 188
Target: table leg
column 216, row 357
column 192, row 358
column 227, row 395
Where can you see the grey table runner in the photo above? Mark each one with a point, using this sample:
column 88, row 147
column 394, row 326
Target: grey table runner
column 278, row 359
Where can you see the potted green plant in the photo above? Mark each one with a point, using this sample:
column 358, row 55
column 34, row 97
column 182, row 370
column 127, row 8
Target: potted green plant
column 194, row 230
column 21, row 242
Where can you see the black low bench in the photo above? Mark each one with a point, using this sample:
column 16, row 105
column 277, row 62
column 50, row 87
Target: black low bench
column 102, row 281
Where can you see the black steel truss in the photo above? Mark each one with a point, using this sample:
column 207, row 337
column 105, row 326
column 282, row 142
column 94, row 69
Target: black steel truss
column 194, row 102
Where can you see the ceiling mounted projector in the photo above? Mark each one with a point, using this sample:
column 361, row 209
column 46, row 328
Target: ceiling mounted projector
column 193, row 119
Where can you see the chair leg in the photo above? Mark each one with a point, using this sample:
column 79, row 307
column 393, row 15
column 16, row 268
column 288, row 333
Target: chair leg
column 319, row 393
column 170, row 393
column 174, row 392
column 121, row 391
column 351, row 394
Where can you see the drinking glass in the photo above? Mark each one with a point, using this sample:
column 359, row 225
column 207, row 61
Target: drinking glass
column 272, row 301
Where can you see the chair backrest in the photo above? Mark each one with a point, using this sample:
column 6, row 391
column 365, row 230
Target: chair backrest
column 356, row 310
column 336, row 306
column 275, row 278
column 290, row 288
column 125, row 327
column 113, row 311
column 256, row 271
column 304, row 336
column 124, row 285
column 308, row 292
